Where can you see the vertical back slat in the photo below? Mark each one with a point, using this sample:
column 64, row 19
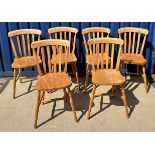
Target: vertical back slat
column 19, row 46
column 93, row 44
column 60, row 53
column 69, row 40
column 129, row 45
column 61, row 35
column 138, row 42
column 125, row 42
column 112, row 56
column 28, row 42
column 133, row 43
column 49, row 58
column 13, row 47
column 102, row 46
column 66, row 51
column 97, row 53
column 43, row 59
column 24, row 45
column 74, row 42
column 107, row 54
column 92, row 59
column 54, row 56
column 37, row 62
column 142, row 48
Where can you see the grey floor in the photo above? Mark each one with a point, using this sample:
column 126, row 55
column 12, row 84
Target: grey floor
column 107, row 114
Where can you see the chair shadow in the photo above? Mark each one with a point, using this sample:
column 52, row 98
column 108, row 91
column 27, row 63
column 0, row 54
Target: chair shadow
column 132, row 101
column 29, row 87
column 81, row 102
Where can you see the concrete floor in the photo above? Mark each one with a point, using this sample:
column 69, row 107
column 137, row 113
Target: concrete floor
column 108, row 113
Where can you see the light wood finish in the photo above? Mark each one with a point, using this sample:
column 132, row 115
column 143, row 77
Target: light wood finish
column 48, row 80
column 90, row 33
column 134, row 54
column 107, row 73
column 66, row 33
column 20, row 41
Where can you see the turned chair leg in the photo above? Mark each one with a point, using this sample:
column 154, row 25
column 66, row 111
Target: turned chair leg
column 65, row 94
column 72, row 104
column 74, row 69
column 14, row 83
column 87, row 75
column 42, row 97
column 145, row 79
column 37, row 109
column 123, row 96
column 91, row 100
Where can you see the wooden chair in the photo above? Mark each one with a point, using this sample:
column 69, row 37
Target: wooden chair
column 103, row 72
column 133, row 48
column 91, row 33
column 66, row 33
column 48, row 80
column 21, row 42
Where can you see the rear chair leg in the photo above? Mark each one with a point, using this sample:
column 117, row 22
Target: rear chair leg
column 145, row 79
column 74, row 69
column 124, row 101
column 72, row 104
column 37, row 109
column 14, row 82
column 91, row 100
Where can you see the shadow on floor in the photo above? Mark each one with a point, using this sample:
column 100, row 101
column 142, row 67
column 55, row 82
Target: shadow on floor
column 29, row 90
column 78, row 96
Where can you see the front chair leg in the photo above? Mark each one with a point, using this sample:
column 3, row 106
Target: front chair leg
column 72, row 104
column 123, row 96
column 144, row 77
column 91, row 100
column 42, row 97
column 14, row 82
column 37, row 109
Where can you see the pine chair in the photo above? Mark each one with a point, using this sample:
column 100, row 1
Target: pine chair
column 105, row 73
column 134, row 41
column 90, row 33
column 48, row 80
column 66, row 33
column 21, row 42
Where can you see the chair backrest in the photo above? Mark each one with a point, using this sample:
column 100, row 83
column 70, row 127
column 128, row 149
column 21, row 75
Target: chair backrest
column 21, row 41
column 134, row 39
column 44, row 49
column 64, row 33
column 110, row 44
column 94, row 32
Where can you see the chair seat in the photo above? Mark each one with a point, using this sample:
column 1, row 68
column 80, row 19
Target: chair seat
column 24, row 62
column 53, row 81
column 71, row 58
column 133, row 59
column 95, row 57
column 107, row 77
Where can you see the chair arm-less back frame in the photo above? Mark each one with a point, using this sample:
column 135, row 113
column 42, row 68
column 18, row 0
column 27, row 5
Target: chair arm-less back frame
column 67, row 33
column 134, row 42
column 98, row 44
column 22, row 32
column 61, row 33
column 57, row 47
column 92, row 33
column 21, row 41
